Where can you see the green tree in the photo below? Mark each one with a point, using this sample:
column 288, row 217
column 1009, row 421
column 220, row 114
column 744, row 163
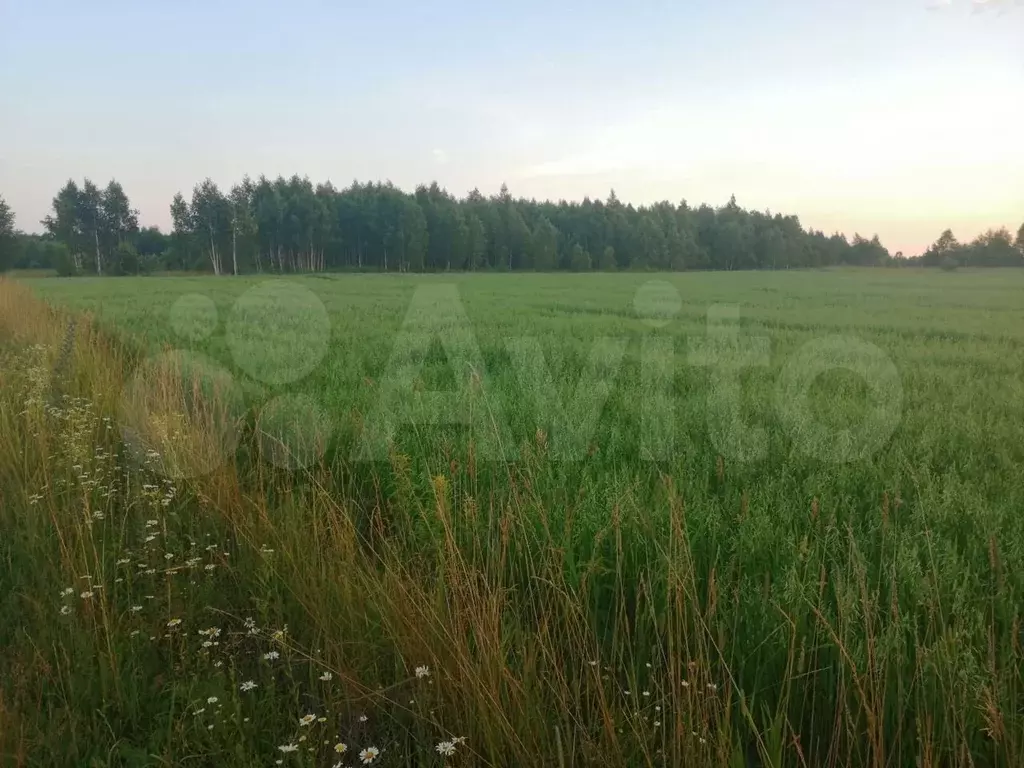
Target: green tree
column 120, row 220
column 243, row 220
column 414, row 235
column 64, row 224
column 210, row 216
column 91, row 218
column 476, row 242
column 125, row 259
column 580, row 260
column 8, row 242
column 544, row 245
column 607, row 261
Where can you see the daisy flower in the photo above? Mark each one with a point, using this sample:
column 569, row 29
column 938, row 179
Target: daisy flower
column 248, row 685
column 368, row 755
column 289, row 748
column 423, row 671
column 307, row 719
column 173, row 623
column 326, row 676
column 271, row 655
column 341, row 748
column 445, row 748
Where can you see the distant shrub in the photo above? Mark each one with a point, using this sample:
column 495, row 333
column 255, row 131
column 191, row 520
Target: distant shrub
column 949, row 264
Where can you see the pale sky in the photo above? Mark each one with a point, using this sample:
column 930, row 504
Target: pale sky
column 901, row 117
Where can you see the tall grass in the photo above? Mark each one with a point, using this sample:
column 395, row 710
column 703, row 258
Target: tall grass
column 513, row 614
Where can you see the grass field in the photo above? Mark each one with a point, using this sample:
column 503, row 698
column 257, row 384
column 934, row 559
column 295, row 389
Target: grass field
column 659, row 524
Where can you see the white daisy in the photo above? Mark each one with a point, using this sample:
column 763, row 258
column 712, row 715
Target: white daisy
column 368, row 755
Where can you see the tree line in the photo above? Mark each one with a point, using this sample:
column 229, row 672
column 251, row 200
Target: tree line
column 290, row 225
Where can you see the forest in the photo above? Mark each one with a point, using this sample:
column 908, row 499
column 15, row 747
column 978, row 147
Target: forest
column 290, row 225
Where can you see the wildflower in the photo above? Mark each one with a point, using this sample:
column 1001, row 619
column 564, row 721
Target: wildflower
column 209, row 566
column 135, row 632
column 169, row 556
column 289, row 748
column 150, row 538
column 271, row 655
column 248, row 685
column 368, row 755
column 207, row 644
column 173, row 623
column 647, row 693
column 685, row 684
column 212, row 700
column 341, row 748
column 199, row 711
column 445, row 748
column 135, row 608
column 86, row 595
column 657, row 723
column 626, row 692
column 326, row 676
column 218, row 663
column 459, row 740
column 363, row 718
column 423, row 671
column 65, row 610
column 307, row 720
column 592, row 663
column 712, row 687
column 321, row 720
column 211, row 632
column 68, row 591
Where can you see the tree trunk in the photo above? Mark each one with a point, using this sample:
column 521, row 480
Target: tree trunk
column 234, row 250
column 99, row 259
column 213, row 255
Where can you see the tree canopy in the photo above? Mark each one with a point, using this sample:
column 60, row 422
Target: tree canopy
column 291, row 225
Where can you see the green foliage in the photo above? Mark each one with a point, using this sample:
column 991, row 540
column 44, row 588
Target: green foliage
column 288, row 226
column 579, row 260
column 125, row 260
column 8, row 242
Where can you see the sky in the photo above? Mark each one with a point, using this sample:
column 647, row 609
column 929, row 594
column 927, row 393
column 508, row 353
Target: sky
column 895, row 117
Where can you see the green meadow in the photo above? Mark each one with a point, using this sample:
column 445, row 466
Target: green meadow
column 730, row 518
